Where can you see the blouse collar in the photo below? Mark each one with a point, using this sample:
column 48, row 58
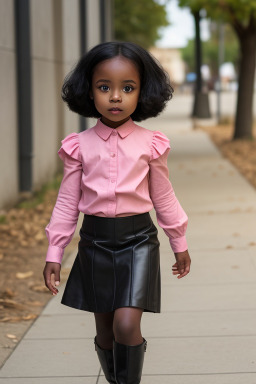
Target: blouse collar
column 123, row 130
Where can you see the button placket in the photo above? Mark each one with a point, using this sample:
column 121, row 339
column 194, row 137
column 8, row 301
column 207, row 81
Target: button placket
column 112, row 173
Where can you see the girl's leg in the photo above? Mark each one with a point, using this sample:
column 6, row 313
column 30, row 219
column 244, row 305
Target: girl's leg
column 129, row 345
column 126, row 325
column 104, row 328
column 104, row 343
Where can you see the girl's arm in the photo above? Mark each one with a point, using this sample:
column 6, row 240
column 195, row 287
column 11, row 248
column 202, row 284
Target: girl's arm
column 170, row 215
column 65, row 214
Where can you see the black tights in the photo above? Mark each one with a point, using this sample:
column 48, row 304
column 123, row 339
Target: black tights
column 123, row 325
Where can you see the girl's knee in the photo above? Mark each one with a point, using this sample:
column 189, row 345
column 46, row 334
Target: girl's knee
column 126, row 322
column 124, row 328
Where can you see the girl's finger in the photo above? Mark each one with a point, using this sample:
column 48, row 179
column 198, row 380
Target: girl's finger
column 49, row 285
column 181, row 267
column 53, row 283
column 186, row 271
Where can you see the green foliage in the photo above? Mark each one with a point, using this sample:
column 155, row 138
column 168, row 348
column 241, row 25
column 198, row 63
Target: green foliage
column 2, row 219
column 210, row 50
column 139, row 21
column 226, row 10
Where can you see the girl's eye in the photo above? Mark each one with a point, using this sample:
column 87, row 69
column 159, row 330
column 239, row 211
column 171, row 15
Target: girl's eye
column 128, row 88
column 104, row 88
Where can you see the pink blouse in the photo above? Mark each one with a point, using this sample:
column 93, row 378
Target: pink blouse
column 114, row 172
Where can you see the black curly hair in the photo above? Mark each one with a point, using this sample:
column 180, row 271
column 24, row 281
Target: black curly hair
column 155, row 90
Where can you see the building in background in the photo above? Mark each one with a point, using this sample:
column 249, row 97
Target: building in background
column 172, row 62
column 40, row 42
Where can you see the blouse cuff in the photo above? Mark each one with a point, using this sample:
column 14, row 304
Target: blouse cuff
column 54, row 254
column 179, row 244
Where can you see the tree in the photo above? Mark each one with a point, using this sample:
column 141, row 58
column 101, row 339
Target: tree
column 139, row 21
column 210, row 50
column 241, row 15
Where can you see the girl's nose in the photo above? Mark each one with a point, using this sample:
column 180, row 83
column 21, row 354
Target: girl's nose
column 115, row 96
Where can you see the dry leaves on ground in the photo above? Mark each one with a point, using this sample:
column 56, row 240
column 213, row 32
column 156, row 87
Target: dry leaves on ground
column 241, row 153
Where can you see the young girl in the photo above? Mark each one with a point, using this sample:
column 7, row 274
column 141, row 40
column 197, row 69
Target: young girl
column 115, row 173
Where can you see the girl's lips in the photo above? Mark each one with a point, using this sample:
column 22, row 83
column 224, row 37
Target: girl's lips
column 115, row 111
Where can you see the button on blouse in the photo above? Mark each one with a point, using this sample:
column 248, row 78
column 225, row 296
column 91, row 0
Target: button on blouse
column 111, row 173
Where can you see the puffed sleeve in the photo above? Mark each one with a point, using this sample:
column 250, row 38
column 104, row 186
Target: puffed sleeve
column 170, row 215
column 160, row 144
column 65, row 214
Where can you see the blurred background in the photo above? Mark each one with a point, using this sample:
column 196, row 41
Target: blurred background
column 209, row 50
column 201, row 46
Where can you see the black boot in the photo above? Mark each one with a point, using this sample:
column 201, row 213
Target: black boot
column 106, row 361
column 128, row 362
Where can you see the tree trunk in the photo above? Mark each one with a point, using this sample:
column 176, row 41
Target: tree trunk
column 244, row 111
column 198, row 52
column 201, row 107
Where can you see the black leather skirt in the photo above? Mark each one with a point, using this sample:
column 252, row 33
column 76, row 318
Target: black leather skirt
column 117, row 265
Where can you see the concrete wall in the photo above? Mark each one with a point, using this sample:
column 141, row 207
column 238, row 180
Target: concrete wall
column 93, row 22
column 8, row 119
column 55, row 49
column 43, row 91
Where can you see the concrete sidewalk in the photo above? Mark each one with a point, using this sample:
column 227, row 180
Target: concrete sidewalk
column 206, row 332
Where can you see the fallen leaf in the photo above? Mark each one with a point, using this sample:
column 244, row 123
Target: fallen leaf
column 24, row 243
column 24, row 275
column 39, row 236
column 10, row 336
column 8, row 292
column 10, row 319
column 11, row 304
column 17, row 319
column 31, row 316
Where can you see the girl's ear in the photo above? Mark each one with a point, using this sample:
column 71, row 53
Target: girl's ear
column 91, row 95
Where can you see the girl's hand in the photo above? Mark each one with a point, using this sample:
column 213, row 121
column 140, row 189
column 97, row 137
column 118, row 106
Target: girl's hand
column 52, row 276
column 182, row 265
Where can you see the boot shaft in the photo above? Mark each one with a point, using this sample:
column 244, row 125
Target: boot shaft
column 106, row 360
column 128, row 362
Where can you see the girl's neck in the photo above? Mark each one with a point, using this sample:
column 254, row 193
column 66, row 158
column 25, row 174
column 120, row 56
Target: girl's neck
column 113, row 124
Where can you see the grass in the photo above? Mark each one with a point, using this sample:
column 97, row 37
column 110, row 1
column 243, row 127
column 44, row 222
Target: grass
column 2, row 219
column 39, row 196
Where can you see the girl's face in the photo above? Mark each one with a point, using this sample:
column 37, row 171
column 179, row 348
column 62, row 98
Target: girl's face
column 115, row 90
